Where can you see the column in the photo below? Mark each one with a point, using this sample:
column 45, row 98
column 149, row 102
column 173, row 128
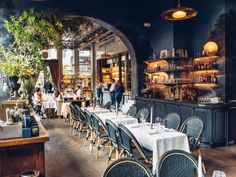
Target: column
column 93, row 68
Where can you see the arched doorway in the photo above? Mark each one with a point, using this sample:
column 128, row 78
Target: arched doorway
column 134, row 74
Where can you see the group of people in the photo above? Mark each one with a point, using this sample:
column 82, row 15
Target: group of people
column 116, row 91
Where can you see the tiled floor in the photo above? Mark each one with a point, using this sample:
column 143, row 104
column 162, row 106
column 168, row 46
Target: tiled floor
column 66, row 155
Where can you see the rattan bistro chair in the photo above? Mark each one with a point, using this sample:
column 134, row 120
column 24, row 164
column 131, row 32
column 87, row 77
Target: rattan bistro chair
column 82, row 125
column 90, row 129
column 127, row 167
column 177, row 163
column 132, row 111
column 113, row 136
column 144, row 112
column 74, row 119
column 172, row 120
column 193, row 128
column 100, row 133
column 129, row 143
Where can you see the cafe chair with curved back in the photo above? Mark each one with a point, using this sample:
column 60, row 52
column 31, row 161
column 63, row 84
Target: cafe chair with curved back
column 177, row 163
column 73, row 119
column 127, row 167
column 100, row 133
column 129, row 143
column 172, row 120
column 107, row 105
column 132, row 111
column 113, row 136
column 82, row 126
column 90, row 129
column 193, row 128
column 144, row 112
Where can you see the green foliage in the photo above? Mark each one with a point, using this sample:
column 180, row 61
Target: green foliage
column 31, row 33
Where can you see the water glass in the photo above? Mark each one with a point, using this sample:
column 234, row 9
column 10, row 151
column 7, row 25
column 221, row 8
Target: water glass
column 158, row 120
column 142, row 118
column 218, row 173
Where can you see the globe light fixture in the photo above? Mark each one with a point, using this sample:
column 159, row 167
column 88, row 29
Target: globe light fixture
column 179, row 13
column 210, row 48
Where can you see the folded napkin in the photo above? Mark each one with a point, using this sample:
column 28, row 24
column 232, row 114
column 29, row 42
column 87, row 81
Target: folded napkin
column 136, row 126
column 155, row 133
column 170, row 130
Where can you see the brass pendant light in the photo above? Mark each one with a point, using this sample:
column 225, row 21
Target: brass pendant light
column 179, row 13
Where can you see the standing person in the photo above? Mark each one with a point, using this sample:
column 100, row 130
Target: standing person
column 119, row 92
column 112, row 92
column 99, row 91
column 47, row 87
column 79, row 93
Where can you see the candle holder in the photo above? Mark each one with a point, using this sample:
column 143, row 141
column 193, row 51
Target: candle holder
column 151, row 125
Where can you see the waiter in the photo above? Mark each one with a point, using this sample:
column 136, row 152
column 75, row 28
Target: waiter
column 112, row 91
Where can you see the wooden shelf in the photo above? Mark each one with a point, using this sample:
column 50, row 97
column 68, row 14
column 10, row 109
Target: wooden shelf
column 206, row 70
column 153, row 72
column 168, row 58
column 206, row 57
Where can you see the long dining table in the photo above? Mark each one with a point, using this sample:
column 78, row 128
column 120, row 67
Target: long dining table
column 155, row 137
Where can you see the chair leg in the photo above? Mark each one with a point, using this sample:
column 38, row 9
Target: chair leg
column 117, row 153
column 203, row 165
column 110, row 153
column 93, row 140
column 98, row 147
column 121, row 153
column 87, row 137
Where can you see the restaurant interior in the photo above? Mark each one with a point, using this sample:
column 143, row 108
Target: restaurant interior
column 117, row 88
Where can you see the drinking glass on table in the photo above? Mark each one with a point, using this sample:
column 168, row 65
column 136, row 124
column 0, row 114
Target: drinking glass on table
column 218, row 173
column 158, row 120
column 142, row 118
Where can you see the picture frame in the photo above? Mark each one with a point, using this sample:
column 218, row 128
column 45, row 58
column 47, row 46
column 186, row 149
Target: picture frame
column 164, row 53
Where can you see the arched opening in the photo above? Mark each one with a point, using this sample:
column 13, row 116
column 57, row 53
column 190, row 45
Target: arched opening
column 134, row 74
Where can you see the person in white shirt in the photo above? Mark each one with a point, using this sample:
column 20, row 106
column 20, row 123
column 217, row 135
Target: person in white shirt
column 79, row 92
column 112, row 91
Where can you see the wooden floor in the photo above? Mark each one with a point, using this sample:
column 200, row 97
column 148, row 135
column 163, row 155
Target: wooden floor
column 66, row 155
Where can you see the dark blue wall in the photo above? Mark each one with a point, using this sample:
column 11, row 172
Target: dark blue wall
column 128, row 16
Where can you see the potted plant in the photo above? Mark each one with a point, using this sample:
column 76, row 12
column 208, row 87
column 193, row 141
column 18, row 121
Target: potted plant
column 31, row 32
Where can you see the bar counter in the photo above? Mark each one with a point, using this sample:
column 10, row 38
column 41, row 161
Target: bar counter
column 20, row 154
column 218, row 119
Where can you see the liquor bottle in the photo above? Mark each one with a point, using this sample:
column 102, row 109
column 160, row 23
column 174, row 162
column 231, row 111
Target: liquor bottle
column 212, row 77
column 214, row 65
column 215, row 78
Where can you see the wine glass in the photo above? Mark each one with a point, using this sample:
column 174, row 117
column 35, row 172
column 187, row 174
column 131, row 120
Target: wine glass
column 218, row 173
column 142, row 118
column 158, row 121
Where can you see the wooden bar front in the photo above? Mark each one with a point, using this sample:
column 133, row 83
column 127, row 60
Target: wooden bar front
column 18, row 155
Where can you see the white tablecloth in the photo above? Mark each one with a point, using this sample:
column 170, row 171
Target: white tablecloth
column 159, row 141
column 65, row 109
column 49, row 104
column 120, row 119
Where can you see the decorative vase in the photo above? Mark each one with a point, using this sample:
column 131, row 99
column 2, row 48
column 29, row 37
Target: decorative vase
column 27, row 88
column 13, row 83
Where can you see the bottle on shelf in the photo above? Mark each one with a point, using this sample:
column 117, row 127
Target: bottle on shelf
column 214, row 78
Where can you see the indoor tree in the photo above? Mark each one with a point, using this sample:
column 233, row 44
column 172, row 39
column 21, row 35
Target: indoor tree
column 31, row 32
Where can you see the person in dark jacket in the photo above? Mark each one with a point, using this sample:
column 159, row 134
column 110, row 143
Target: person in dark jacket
column 119, row 92
column 47, row 87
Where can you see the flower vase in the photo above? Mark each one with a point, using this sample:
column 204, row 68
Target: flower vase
column 27, row 88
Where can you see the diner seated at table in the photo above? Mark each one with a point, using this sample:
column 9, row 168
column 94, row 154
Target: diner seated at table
column 38, row 99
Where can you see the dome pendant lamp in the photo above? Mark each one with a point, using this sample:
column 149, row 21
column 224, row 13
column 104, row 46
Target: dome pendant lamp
column 179, row 13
